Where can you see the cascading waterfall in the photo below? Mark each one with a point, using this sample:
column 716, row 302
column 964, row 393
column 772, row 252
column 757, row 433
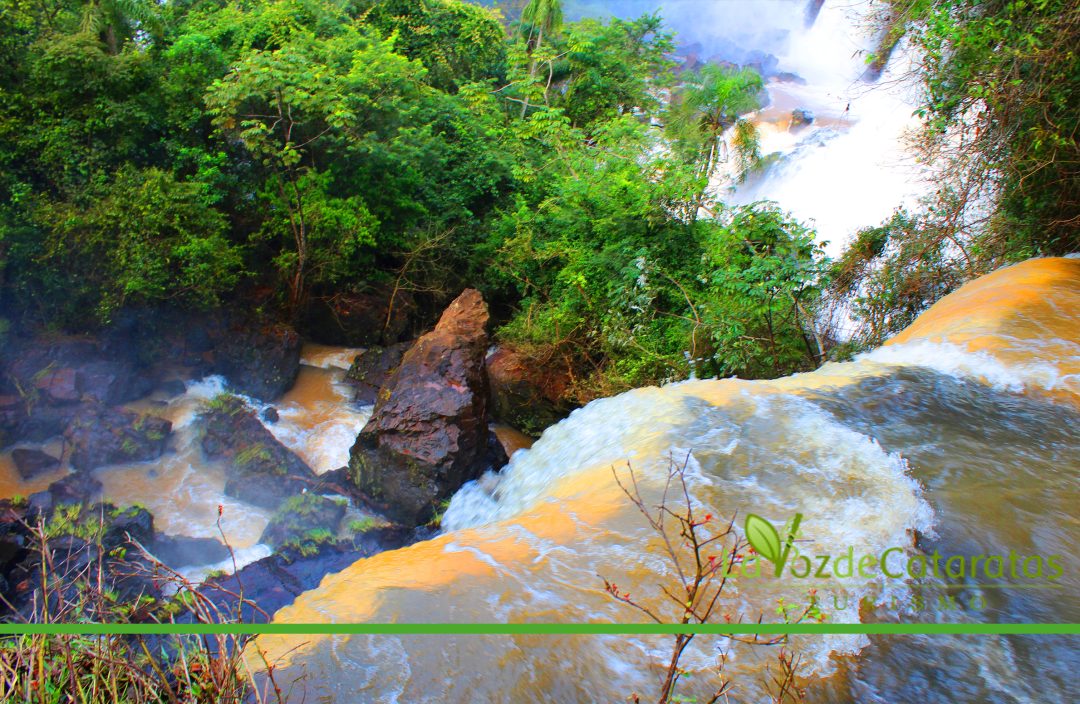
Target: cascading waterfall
column 849, row 168
column 956, row 437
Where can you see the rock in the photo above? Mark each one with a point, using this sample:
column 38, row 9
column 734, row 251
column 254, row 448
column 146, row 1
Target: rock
column 102, row 436
column 44, row 421
column 259, row 360
column 308, row 518
column 337, row 481
column 511, row 439
column 428, row 433
column 31, row 463
column 270, row 415
column 173, row 388
column 69, row 370
column 259, row 469
column 132, row 523
column 359, row 319
column 180, row 550
column 14, row 536
column 112, row 382
column 372, row 368
column 75, row 488
column 275, row 581
column 58, row 385
column 527, row 393
column 801, row 117
column 12, row 416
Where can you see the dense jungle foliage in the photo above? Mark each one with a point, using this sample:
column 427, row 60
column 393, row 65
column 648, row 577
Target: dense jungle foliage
column 195, row 152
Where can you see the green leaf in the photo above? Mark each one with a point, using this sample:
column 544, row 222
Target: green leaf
column 763, row 537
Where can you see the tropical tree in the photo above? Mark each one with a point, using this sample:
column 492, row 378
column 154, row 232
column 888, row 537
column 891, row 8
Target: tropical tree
column 704, row 108
column 115, row 21
column 539, row 17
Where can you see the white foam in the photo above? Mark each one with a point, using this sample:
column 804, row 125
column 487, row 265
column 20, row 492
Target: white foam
column 956, row 361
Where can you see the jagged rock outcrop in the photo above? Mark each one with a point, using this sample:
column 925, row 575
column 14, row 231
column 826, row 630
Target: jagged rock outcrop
column 428, row 433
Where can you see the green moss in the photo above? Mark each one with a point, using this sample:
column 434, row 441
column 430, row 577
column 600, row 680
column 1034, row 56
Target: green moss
column 251, row 455
column 362, row 524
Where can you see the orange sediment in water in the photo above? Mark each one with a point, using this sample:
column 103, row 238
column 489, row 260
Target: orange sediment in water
column 1026, row 313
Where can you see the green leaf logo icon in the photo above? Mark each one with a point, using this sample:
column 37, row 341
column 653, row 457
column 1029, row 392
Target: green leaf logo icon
column 763, row 538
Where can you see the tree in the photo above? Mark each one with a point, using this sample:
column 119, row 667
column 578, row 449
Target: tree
column 539, row 17
column 116, row 21
column 143, row 238
column 764, row 276
column 705, row 107
column 299, row 109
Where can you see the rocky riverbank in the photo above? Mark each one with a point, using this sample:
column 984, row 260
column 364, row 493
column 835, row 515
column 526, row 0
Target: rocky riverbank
column 73, row 406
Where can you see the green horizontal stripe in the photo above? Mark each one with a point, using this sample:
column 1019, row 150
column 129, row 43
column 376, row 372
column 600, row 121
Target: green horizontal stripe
column 537, row 628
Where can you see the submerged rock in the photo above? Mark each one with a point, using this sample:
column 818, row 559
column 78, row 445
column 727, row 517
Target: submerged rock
column 428, row 433
column 100, row 436
column 259, row 469
column 801, row 117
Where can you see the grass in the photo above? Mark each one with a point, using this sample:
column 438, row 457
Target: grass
column 114, row 669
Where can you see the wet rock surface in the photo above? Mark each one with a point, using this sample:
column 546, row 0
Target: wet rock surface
column 178, row 551
column 275, row 581
column 259, row 469
column 379, row 317
column 372, row 368
column 259, row 360
column 428, row 433
column 303, row 519
column 100, row 436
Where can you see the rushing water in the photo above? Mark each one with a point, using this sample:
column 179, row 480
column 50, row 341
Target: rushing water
column 183, row 490
column 957, row 437
column 850, row 168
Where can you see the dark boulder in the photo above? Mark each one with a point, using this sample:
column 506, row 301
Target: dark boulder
column 30, row 463
column 59, row 371
column 270, row 415
column 428, row 433
column 275, row 581
column 259, row 469
column 133, row 523
column 260, row 360
column 527, row 393
column 102, row 436
column 180, row 550
column 304, row 519
column 75, row 488
column 372, row 368
column 359, row 319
